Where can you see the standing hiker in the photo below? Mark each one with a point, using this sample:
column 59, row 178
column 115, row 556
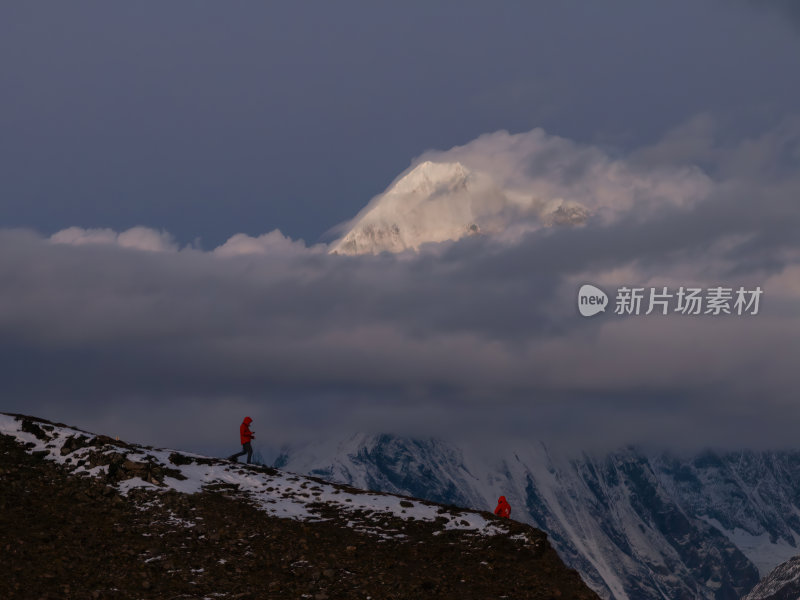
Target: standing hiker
column 245, row 435
column 503, row 508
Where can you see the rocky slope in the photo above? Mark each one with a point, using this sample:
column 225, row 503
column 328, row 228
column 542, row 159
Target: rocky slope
column 86, row 516
column 783, row 583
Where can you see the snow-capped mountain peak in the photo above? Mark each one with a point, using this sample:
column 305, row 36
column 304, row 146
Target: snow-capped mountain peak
column 429, row 177
column 447, row 201
column 433, row 202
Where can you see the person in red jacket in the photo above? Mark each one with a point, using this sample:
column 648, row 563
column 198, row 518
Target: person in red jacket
column 503, row 508
column 245, row 436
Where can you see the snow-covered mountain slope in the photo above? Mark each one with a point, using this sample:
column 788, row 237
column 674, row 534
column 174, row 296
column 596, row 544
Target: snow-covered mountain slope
column 88, row 516
column 278, row 493
column 783, row 583
column 437, row 202
column 635, row 525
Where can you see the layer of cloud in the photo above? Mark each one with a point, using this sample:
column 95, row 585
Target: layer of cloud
column 467, row 338
column 137, row 238
column 273, row 242
column 539, row 168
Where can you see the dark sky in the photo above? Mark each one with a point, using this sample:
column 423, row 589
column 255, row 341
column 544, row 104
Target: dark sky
column 197, row 121
column 209, row 119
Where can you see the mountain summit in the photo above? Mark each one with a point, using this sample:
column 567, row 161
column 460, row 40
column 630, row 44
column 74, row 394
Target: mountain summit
column 446, row 201
column 433, row 202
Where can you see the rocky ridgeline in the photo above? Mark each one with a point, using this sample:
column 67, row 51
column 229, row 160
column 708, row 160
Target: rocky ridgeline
column 87, row 516
column 783, row 583
column 118, row 467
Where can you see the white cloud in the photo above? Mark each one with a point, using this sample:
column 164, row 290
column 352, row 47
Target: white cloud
column 535, row 167
column 150, row 240
column 77, row 236
column 273, row 242
column 136, row 238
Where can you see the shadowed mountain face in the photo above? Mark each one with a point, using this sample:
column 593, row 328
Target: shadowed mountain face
column 636, row 525
column 87, row 516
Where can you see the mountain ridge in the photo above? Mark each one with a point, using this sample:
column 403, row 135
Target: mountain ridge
column 146, row 522
column 783, row 583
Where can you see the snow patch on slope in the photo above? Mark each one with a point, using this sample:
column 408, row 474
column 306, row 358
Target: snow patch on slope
column 281, row 494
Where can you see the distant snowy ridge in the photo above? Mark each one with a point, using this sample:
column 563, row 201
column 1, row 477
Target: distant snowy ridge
column 278, row 493
column 636, row 525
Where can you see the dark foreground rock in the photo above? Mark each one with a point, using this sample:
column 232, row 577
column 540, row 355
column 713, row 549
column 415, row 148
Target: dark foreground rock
column 69, row 536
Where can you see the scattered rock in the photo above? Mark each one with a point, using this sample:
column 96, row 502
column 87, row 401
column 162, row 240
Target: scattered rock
column 73, row 443
column 29, row 426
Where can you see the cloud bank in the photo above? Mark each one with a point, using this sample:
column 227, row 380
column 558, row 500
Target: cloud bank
column 128, row 332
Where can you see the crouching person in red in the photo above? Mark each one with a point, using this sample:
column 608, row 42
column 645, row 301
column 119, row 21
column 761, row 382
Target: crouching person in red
column 245, row 435
column 503, row 508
